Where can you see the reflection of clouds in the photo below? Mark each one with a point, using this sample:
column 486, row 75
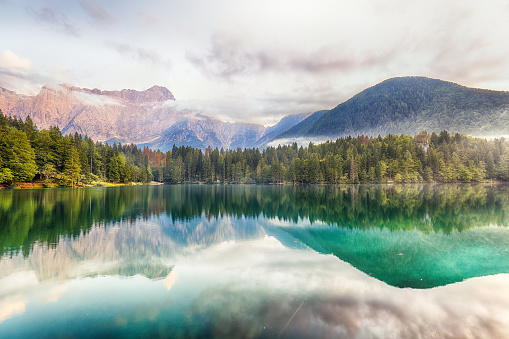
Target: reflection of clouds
column 54, row 294
column 12, row 290
column 170, row 280
column 17, row 281
column 243, row 288
column 11, row 306
column 339, row 301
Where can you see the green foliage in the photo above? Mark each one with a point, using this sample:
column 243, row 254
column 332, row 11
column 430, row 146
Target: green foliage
column 410, row 105
column 6, row 175
column 17, row 154
column 50, row 156
column 72, row 166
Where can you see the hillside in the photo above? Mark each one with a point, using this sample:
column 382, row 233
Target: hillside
column 283, row 125
column 410, row 105
column 303, row 127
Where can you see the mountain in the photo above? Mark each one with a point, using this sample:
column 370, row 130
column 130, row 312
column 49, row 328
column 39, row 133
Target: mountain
column 283, row 125
column 147, row 118
column 201, row 131
column 303, row 127
column 411, row 105
column 128, row 114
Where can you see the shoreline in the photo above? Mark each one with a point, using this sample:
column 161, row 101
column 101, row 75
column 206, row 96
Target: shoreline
column 40, row 185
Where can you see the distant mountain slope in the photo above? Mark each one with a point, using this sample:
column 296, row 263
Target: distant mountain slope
column 410, row 105
column 147, row 118
column 303, row 127
column 125, row 115
column 202, row 131
column 283, row 125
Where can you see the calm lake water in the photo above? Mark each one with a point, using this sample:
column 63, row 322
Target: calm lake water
column 200, row 261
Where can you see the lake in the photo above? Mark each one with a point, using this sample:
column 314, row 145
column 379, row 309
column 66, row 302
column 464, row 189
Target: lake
column 202, row 261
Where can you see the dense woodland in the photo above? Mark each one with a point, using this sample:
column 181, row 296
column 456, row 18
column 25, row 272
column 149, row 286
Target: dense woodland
column 28, row 154
column 414, row 104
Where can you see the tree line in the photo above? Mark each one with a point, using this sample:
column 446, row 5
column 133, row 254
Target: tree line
column 27, row 154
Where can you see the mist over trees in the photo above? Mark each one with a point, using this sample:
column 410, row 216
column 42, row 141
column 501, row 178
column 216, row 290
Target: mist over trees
column 28, row 154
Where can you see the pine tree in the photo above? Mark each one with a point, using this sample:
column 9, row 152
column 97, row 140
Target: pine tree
column 72, row 168
column 17, row 154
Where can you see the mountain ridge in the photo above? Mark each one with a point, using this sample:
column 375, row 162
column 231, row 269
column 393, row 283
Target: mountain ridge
column 147, row 118
column 410, row 105
column 153, row 94
column 402, row 105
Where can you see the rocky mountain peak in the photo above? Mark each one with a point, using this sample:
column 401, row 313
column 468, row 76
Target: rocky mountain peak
column 153, row 94
column 127, row 116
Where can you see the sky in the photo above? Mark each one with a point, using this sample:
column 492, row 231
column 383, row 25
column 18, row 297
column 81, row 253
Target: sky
column 252, row 61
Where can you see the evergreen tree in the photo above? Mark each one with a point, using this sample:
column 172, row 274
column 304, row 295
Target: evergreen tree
column 72, row 168
column 17, row 155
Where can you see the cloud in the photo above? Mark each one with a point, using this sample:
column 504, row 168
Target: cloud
column 230, row 56
column 140, row 54
column 9, row 60
column 91, row 99
column 321, row 94
column 16, row 74
column 303, row 141
column 56, row 19
column 96, row 12
column 150, row 19
column 350, row 50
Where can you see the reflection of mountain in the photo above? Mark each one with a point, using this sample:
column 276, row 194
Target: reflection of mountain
column 412, row 258
column 128, row 248
column 44, row 216
column 141, row 230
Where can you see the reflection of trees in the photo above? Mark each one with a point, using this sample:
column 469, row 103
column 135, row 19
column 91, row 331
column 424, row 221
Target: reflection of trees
column 46, row 215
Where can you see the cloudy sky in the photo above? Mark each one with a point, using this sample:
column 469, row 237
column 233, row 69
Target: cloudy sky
column 252, row 61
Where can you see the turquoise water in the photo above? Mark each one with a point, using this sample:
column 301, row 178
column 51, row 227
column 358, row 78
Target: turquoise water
column 255, row 261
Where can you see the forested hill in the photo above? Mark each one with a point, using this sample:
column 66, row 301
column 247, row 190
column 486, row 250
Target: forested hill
column 28, row 154
column 410, row 105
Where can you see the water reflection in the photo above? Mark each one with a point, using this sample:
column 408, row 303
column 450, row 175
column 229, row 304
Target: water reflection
column 252, row 261
column 259, row 288
column 43, row 216
column 395, row 233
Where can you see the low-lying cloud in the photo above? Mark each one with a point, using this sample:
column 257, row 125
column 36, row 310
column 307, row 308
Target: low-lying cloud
column 90, row 99
column 301, row 141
